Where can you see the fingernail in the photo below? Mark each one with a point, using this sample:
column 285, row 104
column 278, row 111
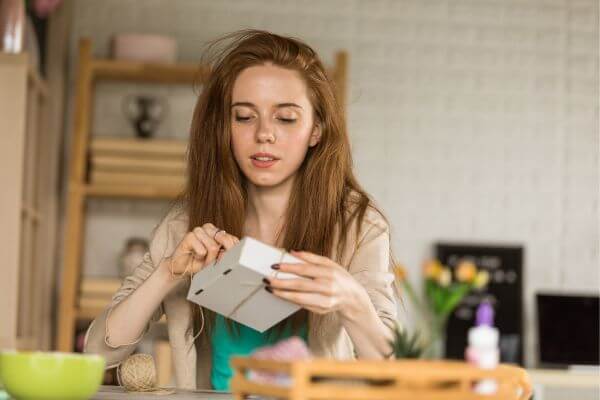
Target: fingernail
column 275, row 266
column 265, row 280
column 269, row 289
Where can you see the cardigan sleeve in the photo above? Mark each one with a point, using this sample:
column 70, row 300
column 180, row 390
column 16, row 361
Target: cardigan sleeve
column 370, row 266
column 163, row 241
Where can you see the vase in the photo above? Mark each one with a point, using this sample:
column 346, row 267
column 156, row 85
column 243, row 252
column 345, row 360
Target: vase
column 145, row 113
column 436, row 348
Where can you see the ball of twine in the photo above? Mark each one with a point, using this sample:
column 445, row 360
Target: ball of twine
column 138, row 373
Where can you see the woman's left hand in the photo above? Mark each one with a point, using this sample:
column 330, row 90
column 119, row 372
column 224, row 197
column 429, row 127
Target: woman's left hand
column 329, row 286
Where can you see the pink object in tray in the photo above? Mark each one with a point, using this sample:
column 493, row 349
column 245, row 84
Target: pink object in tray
column 291, row 349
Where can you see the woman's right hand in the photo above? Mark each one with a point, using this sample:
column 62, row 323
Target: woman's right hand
column 199, row 248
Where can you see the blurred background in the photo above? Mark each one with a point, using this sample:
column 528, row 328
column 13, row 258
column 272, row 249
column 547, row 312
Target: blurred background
column 474, row 125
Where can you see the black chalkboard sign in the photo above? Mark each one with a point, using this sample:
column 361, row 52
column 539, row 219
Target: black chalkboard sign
column 504, row 291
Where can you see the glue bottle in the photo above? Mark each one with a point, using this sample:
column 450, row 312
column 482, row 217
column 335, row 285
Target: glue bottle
column 483, row 346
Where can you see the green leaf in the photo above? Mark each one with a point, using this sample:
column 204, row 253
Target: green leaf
column 455, row 297
column 406, row 345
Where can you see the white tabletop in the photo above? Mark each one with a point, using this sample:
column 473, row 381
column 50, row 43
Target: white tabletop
column 118, row 393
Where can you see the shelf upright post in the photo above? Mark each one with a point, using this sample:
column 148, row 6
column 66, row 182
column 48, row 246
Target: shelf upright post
column 71, row 272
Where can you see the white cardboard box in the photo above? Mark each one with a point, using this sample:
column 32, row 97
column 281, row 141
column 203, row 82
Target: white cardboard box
column 234, row 288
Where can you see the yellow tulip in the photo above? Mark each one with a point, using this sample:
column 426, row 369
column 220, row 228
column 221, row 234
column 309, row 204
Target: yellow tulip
column 466, row 271
column 482, row 279
column 432, row 269
column 445, row 277
column 400, row 273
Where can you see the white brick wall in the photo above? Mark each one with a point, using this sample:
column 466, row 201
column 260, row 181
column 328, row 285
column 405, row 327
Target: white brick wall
column 470, row 120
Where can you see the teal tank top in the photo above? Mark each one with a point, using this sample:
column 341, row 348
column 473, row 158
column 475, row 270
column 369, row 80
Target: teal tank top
column 241, row 341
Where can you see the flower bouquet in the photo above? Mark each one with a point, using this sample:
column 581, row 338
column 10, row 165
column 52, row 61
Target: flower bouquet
column 442, row 294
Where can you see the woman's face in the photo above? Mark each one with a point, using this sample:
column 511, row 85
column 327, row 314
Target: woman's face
column 272, row 124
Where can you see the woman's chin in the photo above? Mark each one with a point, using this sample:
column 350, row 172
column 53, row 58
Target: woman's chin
column 266, row 181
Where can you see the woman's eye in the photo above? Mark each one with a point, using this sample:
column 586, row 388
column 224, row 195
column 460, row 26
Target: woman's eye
column 287, row 120
column 241, row 118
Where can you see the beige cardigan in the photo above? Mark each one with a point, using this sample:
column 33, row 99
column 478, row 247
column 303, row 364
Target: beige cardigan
column 366, row 257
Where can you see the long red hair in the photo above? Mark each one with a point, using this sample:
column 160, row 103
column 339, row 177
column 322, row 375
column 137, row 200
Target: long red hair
column 326, row 196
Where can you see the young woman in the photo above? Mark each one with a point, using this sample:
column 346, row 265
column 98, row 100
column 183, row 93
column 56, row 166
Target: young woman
column 269, row 157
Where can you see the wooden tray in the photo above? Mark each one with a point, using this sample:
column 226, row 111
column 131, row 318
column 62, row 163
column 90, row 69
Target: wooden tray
column 374, row 380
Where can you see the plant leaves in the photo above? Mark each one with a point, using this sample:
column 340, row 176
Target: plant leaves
column 457, row 294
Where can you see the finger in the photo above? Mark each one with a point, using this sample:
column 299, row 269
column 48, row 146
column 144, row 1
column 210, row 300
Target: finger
column 225, row 239
column 302, row 285
column 210, row 228
column 313, row 258
column 213, row 231
column 197, row 264
column 194, row 244
column 190, row 247
column 220, row 236
column 307, row 270
column 212, row 247
column 306, row 299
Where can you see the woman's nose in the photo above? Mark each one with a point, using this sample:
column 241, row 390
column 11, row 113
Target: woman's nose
column 265, row 133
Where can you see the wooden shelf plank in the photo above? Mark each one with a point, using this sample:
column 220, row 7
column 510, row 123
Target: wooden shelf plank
column 99, row 286
column 138, row 148
column 120, row 70
column 133, row 191
column 136, row 179
column 117, row 163
column 88, row 313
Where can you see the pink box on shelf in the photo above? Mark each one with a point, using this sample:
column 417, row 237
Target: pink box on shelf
column 144, row 47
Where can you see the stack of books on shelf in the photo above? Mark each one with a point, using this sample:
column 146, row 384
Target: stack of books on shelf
column 131, row 161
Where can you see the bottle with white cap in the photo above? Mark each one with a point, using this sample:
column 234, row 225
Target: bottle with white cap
column 483, row 346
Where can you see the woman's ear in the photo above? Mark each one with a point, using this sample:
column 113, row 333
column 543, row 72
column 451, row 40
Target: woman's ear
column 315, row 136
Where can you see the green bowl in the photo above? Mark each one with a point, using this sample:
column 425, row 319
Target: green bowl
column 50, row 376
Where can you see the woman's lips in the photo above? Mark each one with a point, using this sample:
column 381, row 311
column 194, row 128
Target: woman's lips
column 263, row 160
column 263, row 164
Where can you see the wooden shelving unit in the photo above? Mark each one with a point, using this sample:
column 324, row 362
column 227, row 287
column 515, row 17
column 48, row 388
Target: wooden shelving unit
column 27, row 222
column 90, row 71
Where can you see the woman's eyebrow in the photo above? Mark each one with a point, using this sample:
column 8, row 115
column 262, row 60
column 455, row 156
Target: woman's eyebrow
column 280, row 105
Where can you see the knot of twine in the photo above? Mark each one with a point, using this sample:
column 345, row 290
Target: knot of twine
column 138, row 373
